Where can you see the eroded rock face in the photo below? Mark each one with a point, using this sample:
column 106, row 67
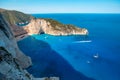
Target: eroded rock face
column 52, row 27
column 10, row 69
column 35, row 26
column 8, row 41
column 12, row 60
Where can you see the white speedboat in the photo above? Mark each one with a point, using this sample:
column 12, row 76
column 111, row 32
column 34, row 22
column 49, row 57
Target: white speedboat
column 96, row 55
column 82, row 41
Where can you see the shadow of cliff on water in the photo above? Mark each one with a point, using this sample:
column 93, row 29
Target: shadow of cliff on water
column 47, row 62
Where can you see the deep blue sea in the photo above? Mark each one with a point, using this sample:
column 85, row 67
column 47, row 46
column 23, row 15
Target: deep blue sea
column 74, row 57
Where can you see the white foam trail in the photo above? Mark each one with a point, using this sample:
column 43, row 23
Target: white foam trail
column 82, row 41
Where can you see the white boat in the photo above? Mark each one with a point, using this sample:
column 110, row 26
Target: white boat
column 96, row 55
column 82, row 41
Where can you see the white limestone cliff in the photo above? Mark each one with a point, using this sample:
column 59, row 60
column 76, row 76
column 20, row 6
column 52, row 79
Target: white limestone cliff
column 37, row 26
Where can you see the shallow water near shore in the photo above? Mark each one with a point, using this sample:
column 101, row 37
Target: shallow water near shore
column 74, row 57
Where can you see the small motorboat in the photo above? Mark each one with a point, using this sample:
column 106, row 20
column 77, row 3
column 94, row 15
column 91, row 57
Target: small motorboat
column 87, row 41
column 96, row 55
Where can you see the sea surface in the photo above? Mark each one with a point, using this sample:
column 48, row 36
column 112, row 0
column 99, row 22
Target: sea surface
column 92, row 57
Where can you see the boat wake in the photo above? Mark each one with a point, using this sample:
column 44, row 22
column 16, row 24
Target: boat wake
column 83, row 41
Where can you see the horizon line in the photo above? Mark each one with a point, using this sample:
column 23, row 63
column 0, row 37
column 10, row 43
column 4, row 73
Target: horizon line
column 72, row 13
column 63, row 12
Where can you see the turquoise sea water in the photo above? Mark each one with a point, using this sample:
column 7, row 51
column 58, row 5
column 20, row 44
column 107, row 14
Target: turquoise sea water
column 73, row 57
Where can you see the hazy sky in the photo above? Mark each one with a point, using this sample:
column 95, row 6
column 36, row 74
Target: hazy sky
column 62, row 6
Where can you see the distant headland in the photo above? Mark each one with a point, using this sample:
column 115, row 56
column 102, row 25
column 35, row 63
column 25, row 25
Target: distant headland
column 24, row 24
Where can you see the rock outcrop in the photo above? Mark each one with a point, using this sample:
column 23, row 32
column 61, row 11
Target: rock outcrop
column 52, row 27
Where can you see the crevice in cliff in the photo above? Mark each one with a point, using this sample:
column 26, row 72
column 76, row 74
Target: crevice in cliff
column 5, row 55
column 3, row 29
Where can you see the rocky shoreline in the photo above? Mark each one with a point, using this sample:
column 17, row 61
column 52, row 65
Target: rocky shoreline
column 21, row 37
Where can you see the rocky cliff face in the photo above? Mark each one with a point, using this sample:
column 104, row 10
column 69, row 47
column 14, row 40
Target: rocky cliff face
column 7, row 41
column 12, row 61
column 52, row 27
column 10, row 69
